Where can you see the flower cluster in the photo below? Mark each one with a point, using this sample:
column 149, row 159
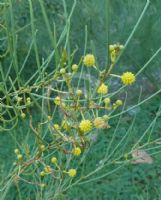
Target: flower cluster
column 74, row 114
column 114, row 51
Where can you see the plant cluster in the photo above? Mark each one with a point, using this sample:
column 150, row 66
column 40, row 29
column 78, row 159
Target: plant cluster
column 80, row 114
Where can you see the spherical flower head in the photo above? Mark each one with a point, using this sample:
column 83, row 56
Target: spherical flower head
column 42, row 173
column 49, row 118
column 62, row 71
column 89, row 60
column 28, row 100
column 74, row 67
column 111, row 47
column 72, row 172
column 57, row 100
column 56, row 126
column 114, row 106
column 65, row 125
column 79, row 92
column 107, row 101
column 48, row 169
column 54, row 160
column 102, row 89
column 19, row 157
column 42, row 147
column 128, row 78
column 85, row 126
column 23, row 115
column 119, row 102
column 17, row 151
column 76, row 151
column 99, row 122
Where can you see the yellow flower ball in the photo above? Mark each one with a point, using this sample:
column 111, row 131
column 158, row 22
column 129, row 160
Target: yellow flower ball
column 79, row 92
column 23, row 115
column 42, row 147
column 28, row 100
column 107, row 101
column 85, row 126
column 42, row 173
column 99, row 122
column 56, row 126
column 72, row 172
column 128, row 78
column 62, row 71
column 102, row 89
column 54, row 160
column 75, row 67
column 76, row 151
column 89, row 60
column 49, row 118
column 48, row 169
column 119, row 102
column 19, row 157
column 57, row 100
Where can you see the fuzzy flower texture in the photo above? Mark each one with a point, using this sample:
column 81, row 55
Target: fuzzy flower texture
column 128, row 78
column 89, row 60
column 102, row 89
column 76, row 151
column 85, row 126
column 99, row 122
column 72, row 172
